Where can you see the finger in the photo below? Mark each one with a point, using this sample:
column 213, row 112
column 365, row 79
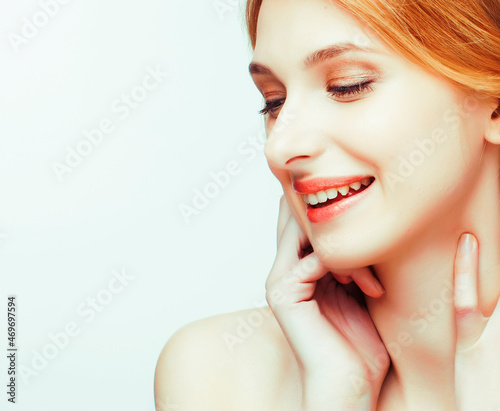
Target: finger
column 283, row 216
column 355, row 323
column 288, row 265
column 342, row 279
column 469, row 319
column 293, row 277
column 361, row 326
column 304, row 324
column 364, row 279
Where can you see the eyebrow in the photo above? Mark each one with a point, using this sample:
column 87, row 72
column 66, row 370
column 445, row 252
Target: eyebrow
column 315, row 58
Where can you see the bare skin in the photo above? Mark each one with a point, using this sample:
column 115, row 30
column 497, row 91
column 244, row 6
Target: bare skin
column 251, row 348
column 405, row 232
column 243, row 360
column 199, row 371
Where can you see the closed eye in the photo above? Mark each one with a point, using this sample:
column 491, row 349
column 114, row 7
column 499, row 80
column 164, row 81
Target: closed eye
column 352, row 90
column 272, row 107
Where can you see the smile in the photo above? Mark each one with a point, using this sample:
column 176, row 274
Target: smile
column 323, row 196
column 325, row 202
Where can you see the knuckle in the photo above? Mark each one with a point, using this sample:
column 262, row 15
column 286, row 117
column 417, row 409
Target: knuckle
column 465, row 311
column 275, row 297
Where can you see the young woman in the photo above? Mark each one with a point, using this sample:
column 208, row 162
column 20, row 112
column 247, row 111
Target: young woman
column 383, row 125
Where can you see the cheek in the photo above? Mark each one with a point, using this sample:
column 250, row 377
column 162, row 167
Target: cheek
column 408, row 133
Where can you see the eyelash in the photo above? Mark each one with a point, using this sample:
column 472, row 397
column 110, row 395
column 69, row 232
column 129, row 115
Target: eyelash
column 271, row 105
column 335, row 91
column 352, row 90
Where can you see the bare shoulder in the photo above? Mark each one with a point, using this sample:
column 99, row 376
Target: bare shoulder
column 231, row 361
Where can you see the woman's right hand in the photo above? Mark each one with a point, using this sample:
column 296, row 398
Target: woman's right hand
column 341, row 358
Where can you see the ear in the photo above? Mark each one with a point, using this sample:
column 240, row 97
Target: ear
column 493, row 132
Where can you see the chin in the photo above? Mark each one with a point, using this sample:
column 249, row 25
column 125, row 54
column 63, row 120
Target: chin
column 350, row 253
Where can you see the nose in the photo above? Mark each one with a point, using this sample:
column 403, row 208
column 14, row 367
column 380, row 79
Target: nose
column 295, row 135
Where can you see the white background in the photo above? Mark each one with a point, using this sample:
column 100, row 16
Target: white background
column 119, row 208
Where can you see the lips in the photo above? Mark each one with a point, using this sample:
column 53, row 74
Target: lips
column 328, row 197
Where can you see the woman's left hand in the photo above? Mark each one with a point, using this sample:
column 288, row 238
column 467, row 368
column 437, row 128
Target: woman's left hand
column 477, row 356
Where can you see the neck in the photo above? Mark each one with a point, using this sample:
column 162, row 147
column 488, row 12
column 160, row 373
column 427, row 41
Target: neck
column 415, row 318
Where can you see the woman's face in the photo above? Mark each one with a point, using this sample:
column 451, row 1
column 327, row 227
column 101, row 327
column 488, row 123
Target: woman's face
column 344, row 108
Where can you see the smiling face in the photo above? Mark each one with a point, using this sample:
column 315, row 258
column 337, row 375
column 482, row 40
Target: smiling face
column 343, row 108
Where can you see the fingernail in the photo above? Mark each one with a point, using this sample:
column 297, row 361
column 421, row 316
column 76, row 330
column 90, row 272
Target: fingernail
column 379, row 286
column 466, row 244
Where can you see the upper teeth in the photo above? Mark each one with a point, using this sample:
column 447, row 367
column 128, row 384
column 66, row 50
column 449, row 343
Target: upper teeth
column 324, row 196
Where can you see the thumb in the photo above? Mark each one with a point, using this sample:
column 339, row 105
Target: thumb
column 469, row 319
